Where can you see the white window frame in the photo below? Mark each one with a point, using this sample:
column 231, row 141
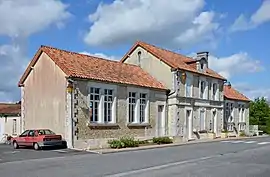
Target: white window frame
column 138, row 91
column 206, row 89
column 202, row 110
column 189, row 79
column 215, row 96
column 230, row 110
column 102, row 88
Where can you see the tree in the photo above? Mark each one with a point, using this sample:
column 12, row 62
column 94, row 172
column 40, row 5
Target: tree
column 259, row 114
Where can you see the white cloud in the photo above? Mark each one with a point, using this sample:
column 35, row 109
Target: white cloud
column 252, row 92
column 236, row 64
column 23, row 18
column 259, row 17
column 18, row 20
column 178, row 22
column 101, row 55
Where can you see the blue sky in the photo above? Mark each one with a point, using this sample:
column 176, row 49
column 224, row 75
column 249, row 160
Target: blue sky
column 236, row 33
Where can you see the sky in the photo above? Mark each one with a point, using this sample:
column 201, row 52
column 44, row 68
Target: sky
column 236, row 33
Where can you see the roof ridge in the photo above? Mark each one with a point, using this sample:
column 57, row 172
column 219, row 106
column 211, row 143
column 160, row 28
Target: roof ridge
column 142, row 42
column 96, row 57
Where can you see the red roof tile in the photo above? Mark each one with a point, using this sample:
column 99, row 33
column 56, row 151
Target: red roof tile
column 9, row 108
column 172, row 59
column 90, row 67
column 233, row 94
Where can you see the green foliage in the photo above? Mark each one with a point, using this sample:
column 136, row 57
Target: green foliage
column 260, row 114
column 123, row 143
column 242, row 133
column 162, row 140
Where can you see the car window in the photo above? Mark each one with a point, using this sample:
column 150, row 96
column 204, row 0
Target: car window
column 25, row 133
column 46, row 132
column 31, row 133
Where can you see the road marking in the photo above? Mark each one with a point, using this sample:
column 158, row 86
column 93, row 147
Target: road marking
column 226, row 141
column 158, row 167
column 235, row 142
column 250, row 142
column 11, row 152
column 262, row 143
column 60, row 150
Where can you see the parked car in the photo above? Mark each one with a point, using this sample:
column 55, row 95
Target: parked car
column 37, row 139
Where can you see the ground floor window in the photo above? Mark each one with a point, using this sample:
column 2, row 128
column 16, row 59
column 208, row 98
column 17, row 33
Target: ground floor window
column 102, row 107
column 230, row 127
column 137, row 107
column 14, row 127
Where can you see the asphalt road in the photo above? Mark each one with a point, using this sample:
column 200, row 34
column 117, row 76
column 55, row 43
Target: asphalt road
column 247, row 158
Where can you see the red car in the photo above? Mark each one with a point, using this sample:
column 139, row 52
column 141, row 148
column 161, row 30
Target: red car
column 37, row 139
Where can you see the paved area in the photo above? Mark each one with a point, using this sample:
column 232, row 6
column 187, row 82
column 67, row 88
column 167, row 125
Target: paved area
column 8, row 154
column 222, row 159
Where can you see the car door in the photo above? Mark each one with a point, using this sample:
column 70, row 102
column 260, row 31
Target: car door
column 21, row 139
column 29, row 139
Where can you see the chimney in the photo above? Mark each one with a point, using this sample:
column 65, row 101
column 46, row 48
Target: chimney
column 202, row 60
column 229, row 85
column 201, row 55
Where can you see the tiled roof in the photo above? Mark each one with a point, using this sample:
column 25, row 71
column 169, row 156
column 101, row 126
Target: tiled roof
column 89, row 67
column 10, row 109
column 174, row 60
column 233, row 94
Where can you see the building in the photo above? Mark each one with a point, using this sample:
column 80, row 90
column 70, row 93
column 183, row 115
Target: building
column 236, row 107
column 89, row 100
column 10, row 119
column 195, row 102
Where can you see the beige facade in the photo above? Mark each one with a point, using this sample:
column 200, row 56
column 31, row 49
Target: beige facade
column 190, row 110
column 236, row 116
column 95, row 132
column 10, row 126
column 44, row 97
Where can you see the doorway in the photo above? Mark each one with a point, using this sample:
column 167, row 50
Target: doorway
column 161, row 121
column 214, row 118
column 189, row 124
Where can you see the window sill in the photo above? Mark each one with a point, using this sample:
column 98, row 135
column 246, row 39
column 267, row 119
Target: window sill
column 102, row 125
column 138, row 125
column 241, row 122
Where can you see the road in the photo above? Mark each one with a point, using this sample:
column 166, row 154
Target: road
column 247, row 158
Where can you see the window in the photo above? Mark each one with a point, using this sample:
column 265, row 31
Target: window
column 214, row 94
column 94, row 103
column 202, row 89
column 131, row 106
column 230, row 127
column 142, row 107
column 202, row 66
column 14, row 127
column 139, row 57
column 202, row 120
column 108, row 103
column 25, row 133
column 188, row 87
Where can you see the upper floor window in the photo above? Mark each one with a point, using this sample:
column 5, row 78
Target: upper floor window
column 188, row 87
column 214, row 93
column 202, row 89
column 202, row 66
column 139, row 57
column 241, row 111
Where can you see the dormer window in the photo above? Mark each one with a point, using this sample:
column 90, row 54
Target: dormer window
column 139, row 58
column 202, row 66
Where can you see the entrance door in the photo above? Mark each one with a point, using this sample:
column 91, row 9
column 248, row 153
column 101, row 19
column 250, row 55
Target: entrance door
column 215, row 122
column 189, row 124
column 161, row 121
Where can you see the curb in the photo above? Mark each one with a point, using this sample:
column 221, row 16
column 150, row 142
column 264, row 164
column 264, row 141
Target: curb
column 111, row 151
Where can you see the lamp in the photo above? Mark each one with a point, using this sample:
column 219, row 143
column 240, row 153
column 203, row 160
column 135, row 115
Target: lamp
column 70, row 87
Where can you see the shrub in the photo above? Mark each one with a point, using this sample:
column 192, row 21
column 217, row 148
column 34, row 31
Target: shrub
column 123, row 143
column 162, row 140
column 242, row 133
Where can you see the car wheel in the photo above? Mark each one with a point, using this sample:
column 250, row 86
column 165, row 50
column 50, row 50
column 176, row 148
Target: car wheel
column 15, row 145
column 36, row 146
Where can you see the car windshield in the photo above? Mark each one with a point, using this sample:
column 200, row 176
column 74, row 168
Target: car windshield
column 45, row 132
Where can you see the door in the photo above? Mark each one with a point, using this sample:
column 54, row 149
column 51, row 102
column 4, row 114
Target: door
column 189, row 124
column 21, row 140
column 215, row 122
column 161, row 121
column 29, row 139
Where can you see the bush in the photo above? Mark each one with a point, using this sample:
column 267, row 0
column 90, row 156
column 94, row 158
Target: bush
column 123, row 143
column 162, row 140
column 242, row 133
